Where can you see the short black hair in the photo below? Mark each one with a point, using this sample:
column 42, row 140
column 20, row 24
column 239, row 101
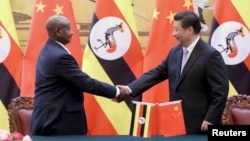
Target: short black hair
column 187, row 19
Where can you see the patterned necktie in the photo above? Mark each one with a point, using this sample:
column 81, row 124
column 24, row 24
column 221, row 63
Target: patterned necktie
column 184, row 58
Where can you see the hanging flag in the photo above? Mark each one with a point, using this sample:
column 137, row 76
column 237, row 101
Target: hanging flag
column 113, row 55
column 160, row 42
column 230, row 36
column 43, row 9
column 141, row 123
column 171, row 119
column 10, row 62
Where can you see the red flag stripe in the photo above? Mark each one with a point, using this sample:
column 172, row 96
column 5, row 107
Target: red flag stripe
column 223, row 16
column 96, row 108
column 13, row 60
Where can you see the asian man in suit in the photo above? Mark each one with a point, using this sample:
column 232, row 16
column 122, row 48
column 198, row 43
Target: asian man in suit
column 60, row 83
column 203, row 83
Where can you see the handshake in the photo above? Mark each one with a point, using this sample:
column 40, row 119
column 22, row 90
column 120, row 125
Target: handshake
column 124, row 94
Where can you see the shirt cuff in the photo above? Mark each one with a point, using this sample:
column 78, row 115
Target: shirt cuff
column 117, row 92
column 130, row 91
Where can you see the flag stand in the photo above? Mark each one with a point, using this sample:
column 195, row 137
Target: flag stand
column 170, row 111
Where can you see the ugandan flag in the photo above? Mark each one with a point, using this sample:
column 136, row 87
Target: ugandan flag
column 43, row 9
column 10, row 62
column 141, row 121
column 160, row 42
column 171, row 121
column 230, row 36
column 113, row 55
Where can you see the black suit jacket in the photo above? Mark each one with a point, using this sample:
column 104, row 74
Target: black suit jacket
column 59, row 87
column 202, row 87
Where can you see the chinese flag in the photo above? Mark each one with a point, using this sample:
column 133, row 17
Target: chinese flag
column 171, row 119
column 113, row 55
column 230, row 35
column 43, row 9
column 159, row 44
column 10, row 62
column 141, row 123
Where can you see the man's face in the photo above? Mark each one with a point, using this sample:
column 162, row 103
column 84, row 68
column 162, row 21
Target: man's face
column 65, row 34
column 180, row 33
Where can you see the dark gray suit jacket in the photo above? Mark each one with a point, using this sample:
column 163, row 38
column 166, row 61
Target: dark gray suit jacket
column 202, row 87
column 59, row 87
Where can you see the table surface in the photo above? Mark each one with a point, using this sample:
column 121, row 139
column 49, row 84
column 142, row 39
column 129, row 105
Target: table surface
column 120, row 138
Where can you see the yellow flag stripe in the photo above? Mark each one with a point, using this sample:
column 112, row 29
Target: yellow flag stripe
column 125, row 6
column 4, row 122
column 147, row 122
column 6, row 18
column 242, row 7
column 232, row 90
column 137, row 112
column 93, row 68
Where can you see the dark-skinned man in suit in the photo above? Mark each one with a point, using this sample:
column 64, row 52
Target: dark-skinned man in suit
column 60, row 83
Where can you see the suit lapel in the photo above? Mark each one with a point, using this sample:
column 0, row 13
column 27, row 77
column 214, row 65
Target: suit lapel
column 179, row 59
column 191, row 60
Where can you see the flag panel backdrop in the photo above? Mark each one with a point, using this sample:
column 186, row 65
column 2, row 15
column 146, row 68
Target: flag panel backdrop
column 165, row 118
column 113, row 54
column 230, row 36
column 10, row 62
column 43, row 9
column 230, row 20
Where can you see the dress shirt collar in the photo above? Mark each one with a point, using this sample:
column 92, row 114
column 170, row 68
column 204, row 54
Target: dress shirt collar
column 190, row 48
column 63, row 46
